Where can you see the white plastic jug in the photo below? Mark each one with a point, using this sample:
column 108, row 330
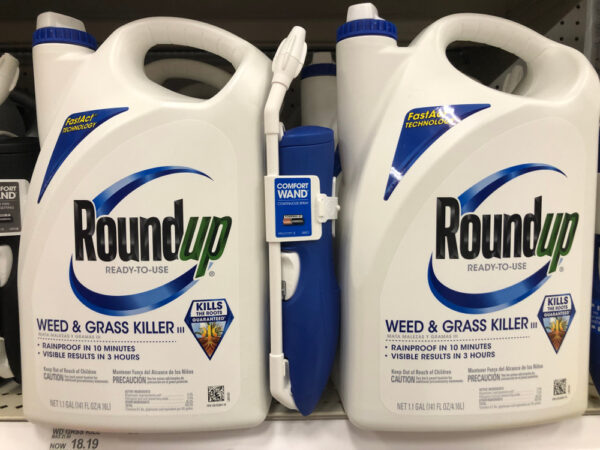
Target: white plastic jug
column 467, row 221
column 318, row 99
column 143, row 269
column 318, row 92
column 11, row 121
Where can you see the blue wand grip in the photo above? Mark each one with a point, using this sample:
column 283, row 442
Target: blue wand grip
column 311, row 315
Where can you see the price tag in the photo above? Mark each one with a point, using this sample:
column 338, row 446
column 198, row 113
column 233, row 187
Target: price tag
column 66, row 439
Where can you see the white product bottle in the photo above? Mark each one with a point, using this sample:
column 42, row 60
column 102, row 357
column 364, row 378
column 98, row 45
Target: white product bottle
column 9, row 74
column 11, row 122
column 468, row 215
column 318, row 100
column 143, row 266
column 318, row 92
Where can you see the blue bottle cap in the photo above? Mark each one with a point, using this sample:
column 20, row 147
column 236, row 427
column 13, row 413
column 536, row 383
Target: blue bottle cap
column 60, row 35
column 318, row 70
column 364, row 27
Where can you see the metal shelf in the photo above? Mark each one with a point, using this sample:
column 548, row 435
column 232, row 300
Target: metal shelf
column 11, row 402
column 266, row 22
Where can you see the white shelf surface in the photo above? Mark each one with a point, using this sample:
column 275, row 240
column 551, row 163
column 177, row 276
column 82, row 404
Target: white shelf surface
column 578, row 433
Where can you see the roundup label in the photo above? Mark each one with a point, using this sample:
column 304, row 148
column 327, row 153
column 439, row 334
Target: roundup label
column 144, row 312
column 462, row 234
column 143, row 239
column 488, row 322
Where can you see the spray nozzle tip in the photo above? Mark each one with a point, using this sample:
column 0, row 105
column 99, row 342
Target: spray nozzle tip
column 362, row 11
column 9, row 74
column 290, row 56
column 52, row 19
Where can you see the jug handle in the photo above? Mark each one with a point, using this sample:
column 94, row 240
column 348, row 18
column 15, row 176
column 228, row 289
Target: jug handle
column 554, row 71
column 130, row 43
column 498, row 32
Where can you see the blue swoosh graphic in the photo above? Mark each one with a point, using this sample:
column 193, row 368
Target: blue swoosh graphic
column 126, row 305
column 486, row 302
column 112, row 195
column 476, row 194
